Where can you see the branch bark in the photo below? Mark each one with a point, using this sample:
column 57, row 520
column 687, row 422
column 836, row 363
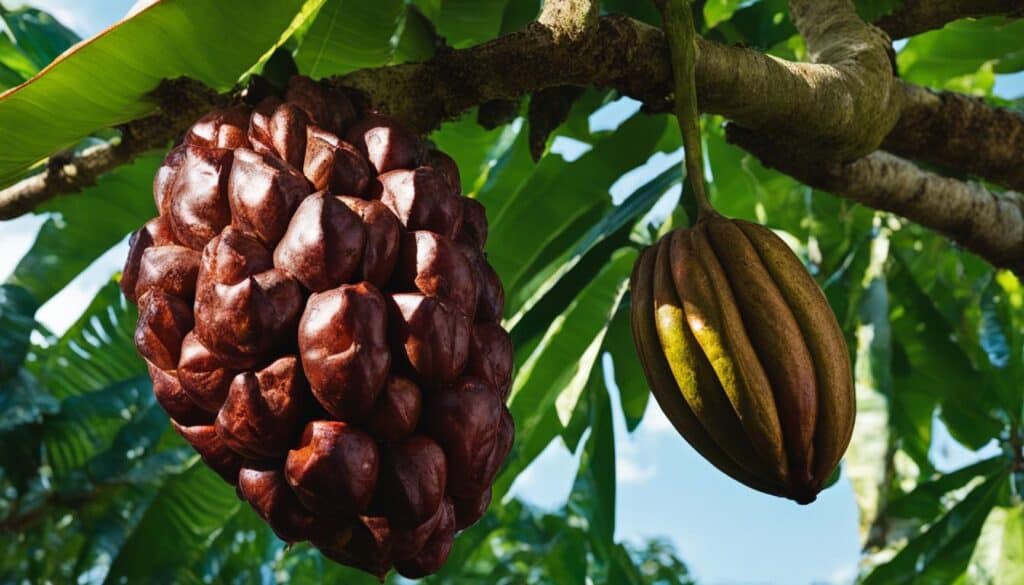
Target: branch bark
column 914, row 17
column 987, row 223
column 960, row 133
column 815, row 107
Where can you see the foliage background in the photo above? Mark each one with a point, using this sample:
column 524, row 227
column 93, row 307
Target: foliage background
column 94, row 485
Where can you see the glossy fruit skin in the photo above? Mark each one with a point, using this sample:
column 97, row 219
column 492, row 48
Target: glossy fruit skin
column 321, row 324
column 744, row 355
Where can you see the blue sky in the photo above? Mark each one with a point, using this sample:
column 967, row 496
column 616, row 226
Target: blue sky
column 726, row 533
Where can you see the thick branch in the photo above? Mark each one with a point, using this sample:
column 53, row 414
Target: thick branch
column 987, row 223
column 960, row 133
column 813, row 105
column 914, row 17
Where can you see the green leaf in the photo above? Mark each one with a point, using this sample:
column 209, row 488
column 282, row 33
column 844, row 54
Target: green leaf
column 467, row 22
column 999, row 555
column 15, row 67
column 936, row 366
column 869, row 455
column 956, row 530
column 88, row 424
column 518, row 13
column 97, row 350
column 170, row 39
column 548, row 271
column 558, row 192
column 593, row 493
column 187, row 515
column 23, row 400
column 349, row 35
column 16, row 325
column 872, row 10
column 473, row 148
column 925, row 500
column 561, row 364
column 644, row 11
column 716, row 11
column 961, row 48
column 38, row 35
column 84, row 226
column 761, row 25
column 629, row 375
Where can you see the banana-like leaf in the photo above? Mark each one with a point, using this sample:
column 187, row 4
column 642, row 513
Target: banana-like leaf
column 634, row 393
column 593, row 493
column 559, row 192
column 547, row 374
column 190, row 511
column 98, row 350
column 88, row 424
column 39, row 36
column 16, row 325
column 551, row 267
column 105, row 80
column 349, row 35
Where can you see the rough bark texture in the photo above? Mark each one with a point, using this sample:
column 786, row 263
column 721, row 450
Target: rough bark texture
column 987, row 223
column 960, row 133
column 914, row 17
column 842, row 106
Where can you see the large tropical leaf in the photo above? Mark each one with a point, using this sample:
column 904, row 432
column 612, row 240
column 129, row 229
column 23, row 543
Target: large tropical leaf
column 105, row 80
column 546, row 374
column 97, row 350
column 185, row 517
column 349, row 35
column 559, row 192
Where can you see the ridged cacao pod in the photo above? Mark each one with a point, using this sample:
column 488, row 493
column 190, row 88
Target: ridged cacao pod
column 744, row 355
column 321, row 324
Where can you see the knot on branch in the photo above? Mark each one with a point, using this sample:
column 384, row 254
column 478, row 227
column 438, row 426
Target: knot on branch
column 569, row 19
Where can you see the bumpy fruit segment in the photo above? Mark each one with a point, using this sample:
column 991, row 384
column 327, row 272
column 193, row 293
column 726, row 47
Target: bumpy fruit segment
column 321, row 324
column 744, row 355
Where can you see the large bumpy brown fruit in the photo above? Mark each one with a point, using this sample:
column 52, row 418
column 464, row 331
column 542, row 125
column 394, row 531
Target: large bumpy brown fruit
column 321, row 324
column 744, row 355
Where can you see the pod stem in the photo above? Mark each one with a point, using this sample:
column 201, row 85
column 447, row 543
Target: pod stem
column 682, row 41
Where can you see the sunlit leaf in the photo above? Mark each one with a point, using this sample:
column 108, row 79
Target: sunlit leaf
column 170, row 39
column 349, row 35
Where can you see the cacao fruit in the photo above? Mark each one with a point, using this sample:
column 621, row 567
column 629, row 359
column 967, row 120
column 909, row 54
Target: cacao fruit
column 744, row 355
column 321, row 324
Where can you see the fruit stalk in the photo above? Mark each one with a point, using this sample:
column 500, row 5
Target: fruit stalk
column 682, row 41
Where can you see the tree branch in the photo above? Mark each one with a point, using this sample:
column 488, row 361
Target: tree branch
column 961, row 133
column 989, row 224
column 815, row 108
column 914, row 17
